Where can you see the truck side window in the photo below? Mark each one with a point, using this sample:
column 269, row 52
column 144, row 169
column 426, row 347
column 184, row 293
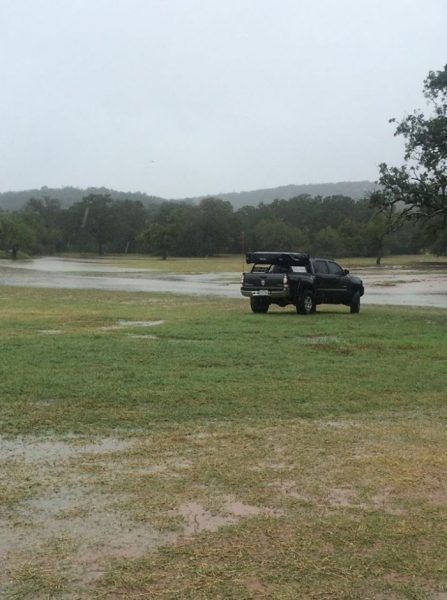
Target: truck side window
column 335, row 269
column 320, row 266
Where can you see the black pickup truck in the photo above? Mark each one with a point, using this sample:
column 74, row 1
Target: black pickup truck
column 296, row 278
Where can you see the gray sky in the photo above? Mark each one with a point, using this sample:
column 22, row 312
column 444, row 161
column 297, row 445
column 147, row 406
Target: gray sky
column 189, row 97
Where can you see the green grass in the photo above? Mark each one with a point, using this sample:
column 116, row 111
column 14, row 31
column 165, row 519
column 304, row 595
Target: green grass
column 336, row 422
column 63, row 370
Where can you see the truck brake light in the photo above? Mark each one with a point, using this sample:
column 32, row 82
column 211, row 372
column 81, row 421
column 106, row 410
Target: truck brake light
column 285, row 281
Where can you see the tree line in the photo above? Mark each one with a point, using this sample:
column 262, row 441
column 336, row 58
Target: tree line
column 331, row 226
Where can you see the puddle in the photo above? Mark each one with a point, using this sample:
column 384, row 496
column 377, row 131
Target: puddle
column 72, row 512
column 91, row 274
column 425, row 286
column 140, row 323
column 316, row 340
column 198, row 519
column 46, row 450
column 339, row 424
column 50, row 331
column 143, row 337
column 123, row 324
column 87, row 521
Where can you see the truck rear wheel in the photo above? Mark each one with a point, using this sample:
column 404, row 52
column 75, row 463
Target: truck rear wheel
column 259, row 305
column 306, row 303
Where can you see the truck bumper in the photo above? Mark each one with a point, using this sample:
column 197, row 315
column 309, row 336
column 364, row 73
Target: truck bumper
column 262, row 293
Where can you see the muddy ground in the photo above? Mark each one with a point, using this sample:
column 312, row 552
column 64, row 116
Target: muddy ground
column 69, row 526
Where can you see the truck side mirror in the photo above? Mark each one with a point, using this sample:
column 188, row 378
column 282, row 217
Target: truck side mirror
column 346, row 271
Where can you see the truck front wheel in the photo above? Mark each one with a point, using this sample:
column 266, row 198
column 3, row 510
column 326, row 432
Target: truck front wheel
column 355, row 303
column 259, row 305
column 306, row 303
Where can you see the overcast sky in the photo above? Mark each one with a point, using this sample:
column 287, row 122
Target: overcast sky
column 191, row 97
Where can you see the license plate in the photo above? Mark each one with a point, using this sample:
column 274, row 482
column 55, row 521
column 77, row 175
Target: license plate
column 262, row 293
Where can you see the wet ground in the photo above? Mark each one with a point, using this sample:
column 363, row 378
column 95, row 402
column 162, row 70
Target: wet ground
column 69, row 527
column 425, row 286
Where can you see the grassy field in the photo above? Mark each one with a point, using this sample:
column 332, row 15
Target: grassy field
column 173, row 447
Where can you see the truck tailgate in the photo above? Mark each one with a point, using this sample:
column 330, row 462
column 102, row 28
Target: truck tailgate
column 263, row 281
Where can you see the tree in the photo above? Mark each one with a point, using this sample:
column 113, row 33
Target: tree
column 130, row 219
column 275, row 235
column 387, row 220
column 92, row 223
column 44, row 216
column 328, row 242
column 15, row 234
column 418, row 189
column 216, row 226
column 160, row 235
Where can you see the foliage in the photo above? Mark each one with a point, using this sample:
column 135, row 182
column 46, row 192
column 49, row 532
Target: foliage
column 15, row 234
column 332, row 226
column 205, row 229
column 100, row 223
column 419, row 187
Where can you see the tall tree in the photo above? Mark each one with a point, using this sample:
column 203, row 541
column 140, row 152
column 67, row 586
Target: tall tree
column 216, row 226
column 419, row 187
column 92, row 223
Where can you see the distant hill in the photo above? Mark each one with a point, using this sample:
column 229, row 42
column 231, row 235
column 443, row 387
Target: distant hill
column 70, row 195
column 353, row 189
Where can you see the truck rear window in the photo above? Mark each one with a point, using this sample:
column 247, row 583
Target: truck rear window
column 299, row 269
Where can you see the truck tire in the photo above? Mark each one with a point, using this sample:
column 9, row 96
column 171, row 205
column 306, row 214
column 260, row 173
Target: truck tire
column 259, row 305
column 355, row 302
column 306, row 303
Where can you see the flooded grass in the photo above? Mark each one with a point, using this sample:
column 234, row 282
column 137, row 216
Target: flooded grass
column 236, row 263
column 274, row 456
column 212, row 264
column 408, row 280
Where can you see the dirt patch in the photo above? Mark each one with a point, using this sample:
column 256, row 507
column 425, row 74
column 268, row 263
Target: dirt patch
column 437, row 497
column 342, row 497
column 289, row 488
column 239, row 509
column 256, row 587
column 274, row 466
column 197, row 518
